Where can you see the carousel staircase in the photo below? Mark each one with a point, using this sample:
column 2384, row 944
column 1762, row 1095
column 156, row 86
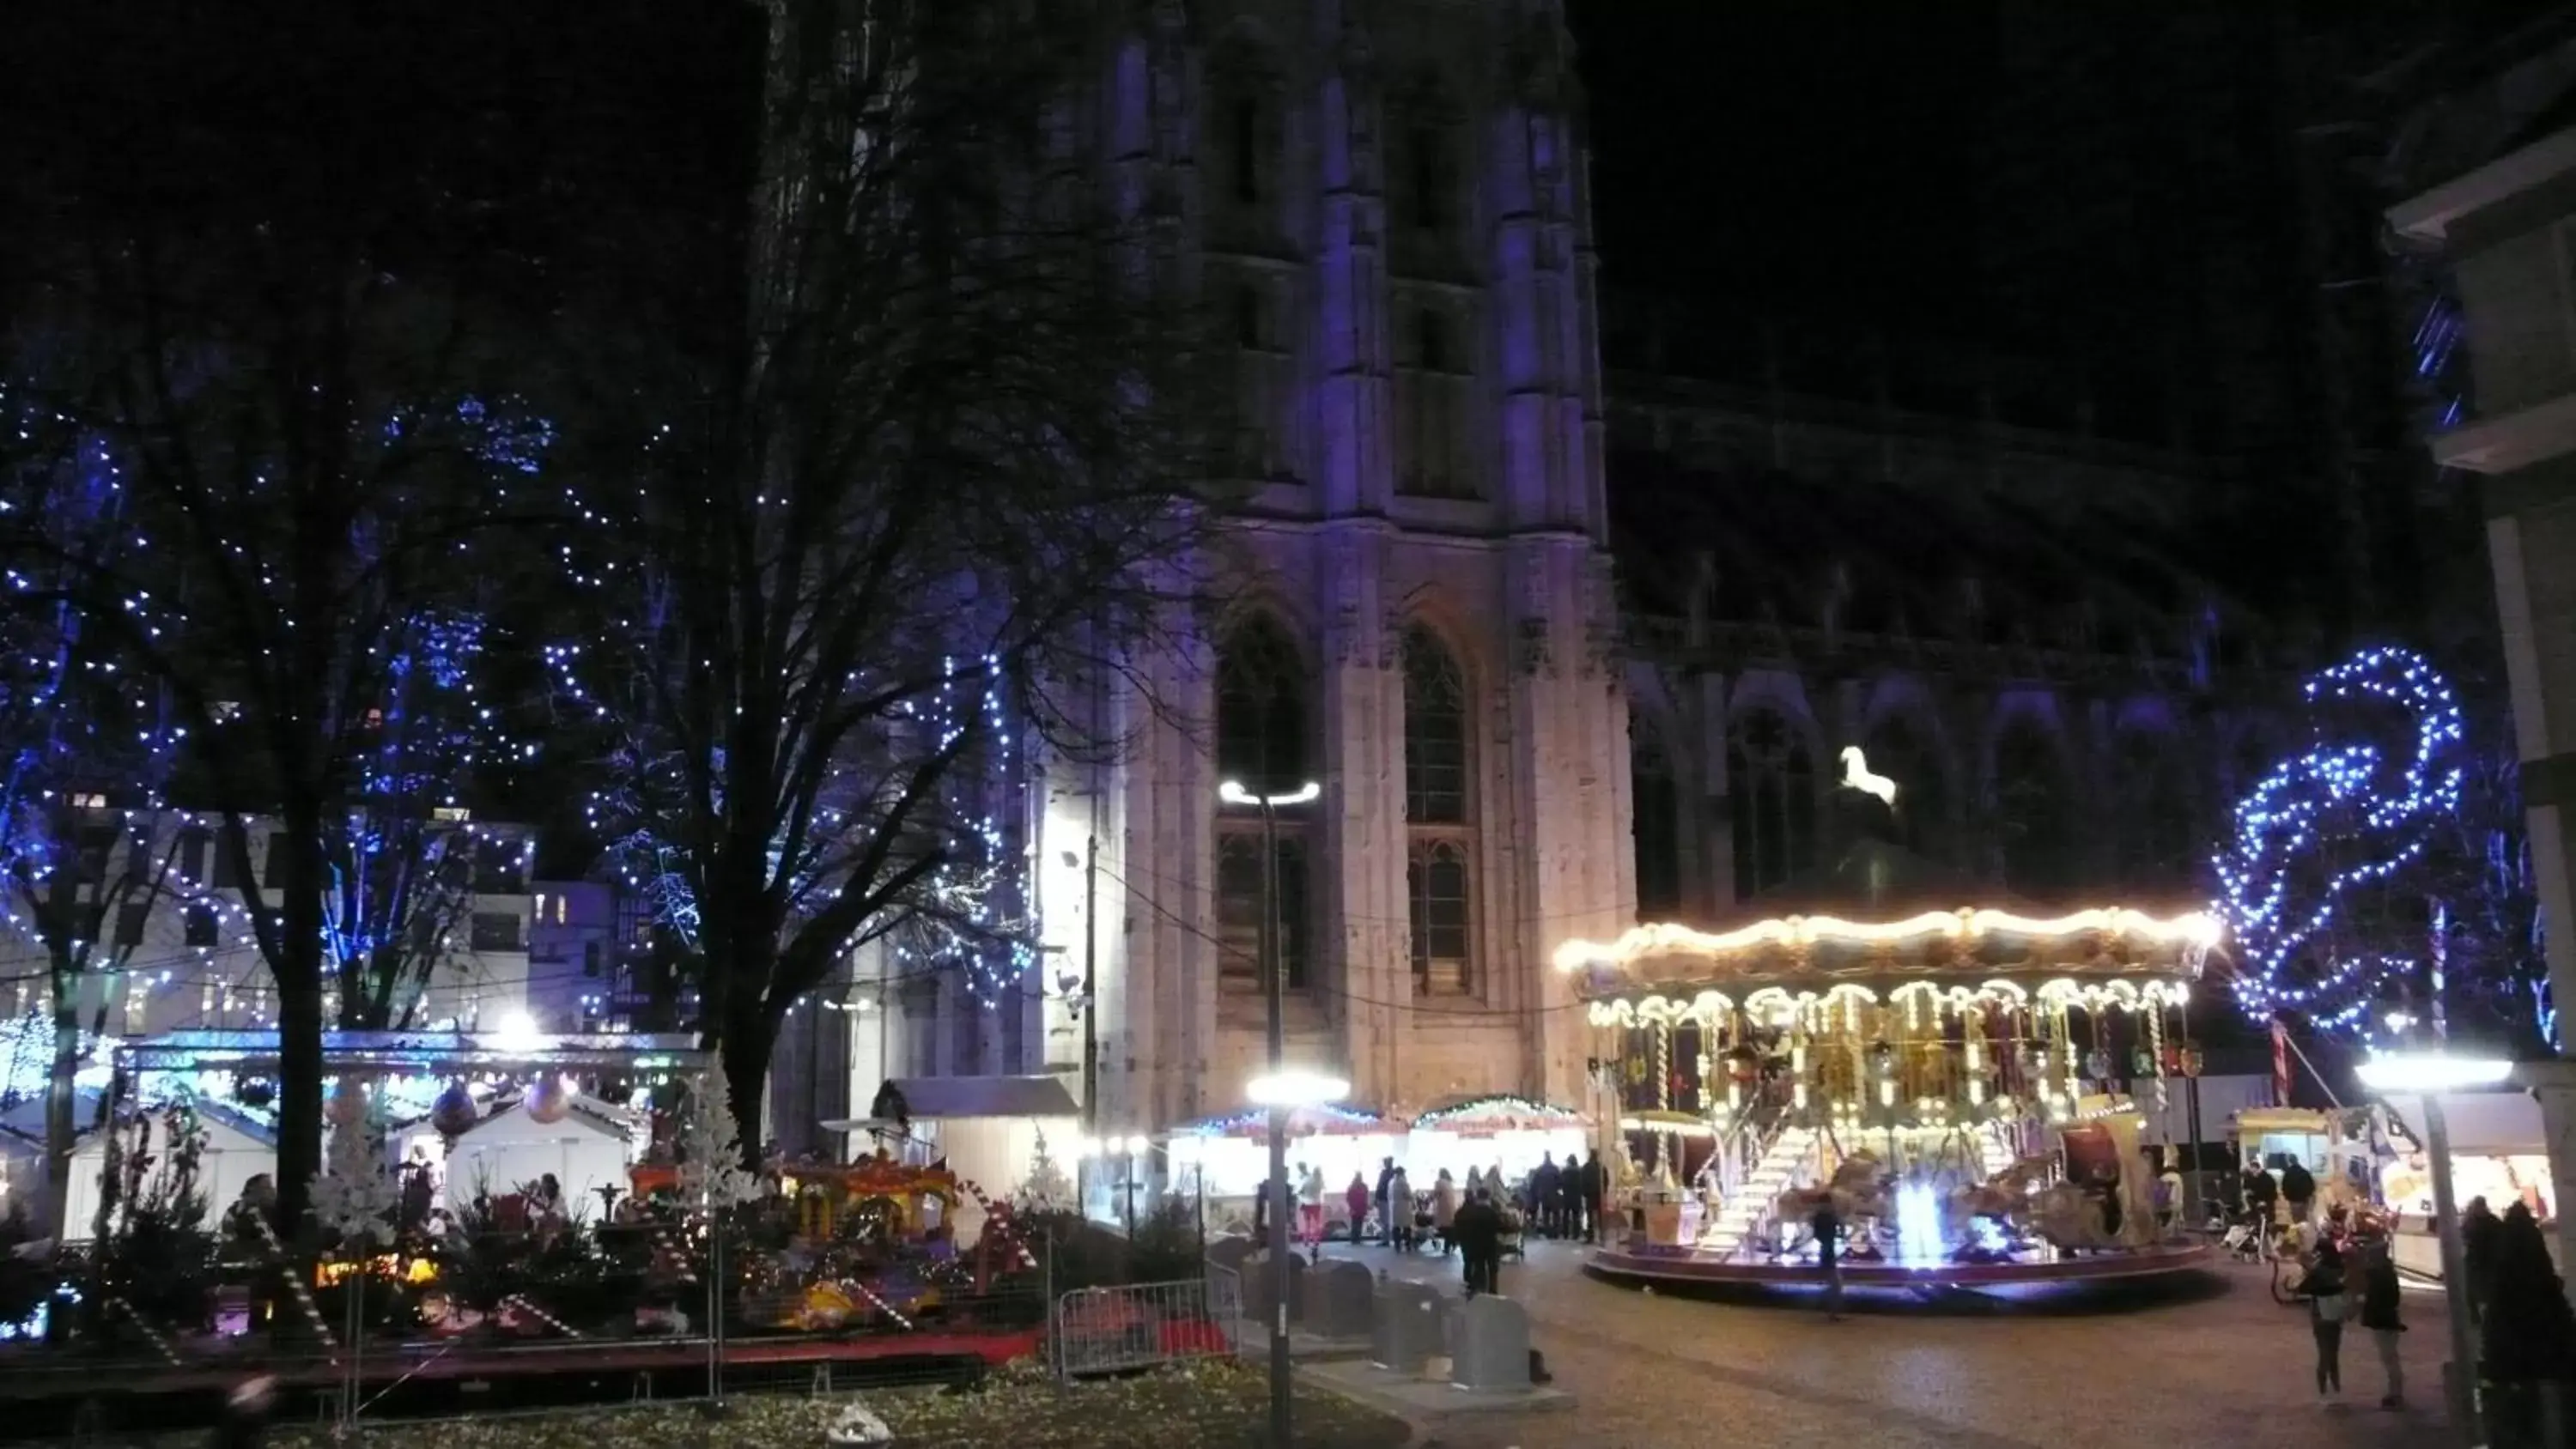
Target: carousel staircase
column 1789, row 1157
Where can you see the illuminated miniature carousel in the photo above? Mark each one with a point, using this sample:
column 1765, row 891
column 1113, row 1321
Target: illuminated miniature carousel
column 1961, row 1084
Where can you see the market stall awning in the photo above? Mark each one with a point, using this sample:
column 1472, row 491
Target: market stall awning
column 1477, row 1116
column 1324, row 1121
column 431, row 1051
column 944, row 1097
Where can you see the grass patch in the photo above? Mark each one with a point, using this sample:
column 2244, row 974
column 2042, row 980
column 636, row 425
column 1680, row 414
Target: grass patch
column 1212, row 1403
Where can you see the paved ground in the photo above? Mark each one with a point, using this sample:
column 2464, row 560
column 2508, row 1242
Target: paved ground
column 2217, row 1363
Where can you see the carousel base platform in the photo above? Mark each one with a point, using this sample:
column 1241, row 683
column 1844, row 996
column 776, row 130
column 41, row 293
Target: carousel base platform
column 1649, row 1263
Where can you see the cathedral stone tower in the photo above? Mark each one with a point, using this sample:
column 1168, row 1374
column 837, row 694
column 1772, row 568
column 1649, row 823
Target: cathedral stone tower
column 1388, row 201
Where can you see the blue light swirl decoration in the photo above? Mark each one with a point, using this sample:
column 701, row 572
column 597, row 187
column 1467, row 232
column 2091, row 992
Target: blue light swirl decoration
column 2345, row 797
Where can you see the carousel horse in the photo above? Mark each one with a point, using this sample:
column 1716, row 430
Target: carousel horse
column 2071, row 1217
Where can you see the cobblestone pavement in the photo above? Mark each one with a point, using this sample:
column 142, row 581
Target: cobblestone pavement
column 2216, row 1363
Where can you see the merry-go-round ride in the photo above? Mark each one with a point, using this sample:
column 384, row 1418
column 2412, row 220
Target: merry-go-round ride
column 1961, row 1083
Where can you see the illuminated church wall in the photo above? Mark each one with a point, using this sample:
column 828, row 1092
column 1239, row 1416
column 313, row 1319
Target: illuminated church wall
column 1392, row 219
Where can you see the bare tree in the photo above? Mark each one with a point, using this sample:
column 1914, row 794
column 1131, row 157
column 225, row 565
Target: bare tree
column 936, row 473
column 257, row 261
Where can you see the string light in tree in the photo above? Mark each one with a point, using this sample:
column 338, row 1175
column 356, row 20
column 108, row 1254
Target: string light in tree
column 2329, row 822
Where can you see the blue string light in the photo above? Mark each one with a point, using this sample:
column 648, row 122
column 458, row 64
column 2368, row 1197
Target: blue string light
column 2278, row 897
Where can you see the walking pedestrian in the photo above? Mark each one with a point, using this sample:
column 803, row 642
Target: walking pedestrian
column 1356, row 1198
column 1444, row 1211
column 1310, row 1204
column 1399, row 1212
column 1386, row 1171
column 1827, row 1225
column 1587, row 1196
column 2379, row 1315
column 1479, row 1231
column 2323, row 1286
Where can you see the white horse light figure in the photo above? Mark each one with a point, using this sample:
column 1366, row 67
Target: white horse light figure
column 1857, row 776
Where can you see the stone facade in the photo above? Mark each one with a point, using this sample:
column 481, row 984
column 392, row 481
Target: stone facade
column 1423, row 618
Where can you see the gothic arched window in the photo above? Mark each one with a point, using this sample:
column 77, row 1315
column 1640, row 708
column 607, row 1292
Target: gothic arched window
column 1900, row 748
column 2154, row 827
column 1426, row 176
column 1243, row 144
column 1261, row 725
column 1440, row 848
column 1771, row 785
column 2034, row 813
column 1262, row 743
column 1655, row 825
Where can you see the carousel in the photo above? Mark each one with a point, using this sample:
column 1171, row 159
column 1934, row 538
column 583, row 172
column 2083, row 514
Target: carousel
column 1956, row 1077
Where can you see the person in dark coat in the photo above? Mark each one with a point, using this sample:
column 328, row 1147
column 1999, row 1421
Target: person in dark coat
column 1478, row 1231
column 2527, row 1341
column 2299, row 1189
column 1587, row 1198
column 1385, row 1201
column 2479, row 1230
column 2380, row 1318
column 1543, row 1182
column 1827, row 1225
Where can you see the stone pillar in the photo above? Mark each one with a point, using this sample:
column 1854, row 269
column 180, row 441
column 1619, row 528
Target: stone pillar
column 2536, row 607
column 1716, row 819
column 1359, row 824
column 1541, row 297
column 1569, row 726
column 1353, row 471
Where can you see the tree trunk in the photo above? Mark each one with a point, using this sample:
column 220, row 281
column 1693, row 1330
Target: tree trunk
column 61, row 1098
column 746, row 1068
column 299, row 968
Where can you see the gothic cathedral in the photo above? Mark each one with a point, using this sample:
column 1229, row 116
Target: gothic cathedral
column 1390, row 204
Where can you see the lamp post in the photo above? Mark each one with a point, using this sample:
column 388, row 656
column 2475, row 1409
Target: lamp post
column 1282, row 1090
column 1278, row 1089
column 2424, row 1075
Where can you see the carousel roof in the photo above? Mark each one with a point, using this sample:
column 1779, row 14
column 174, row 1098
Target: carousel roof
column 1879, row 917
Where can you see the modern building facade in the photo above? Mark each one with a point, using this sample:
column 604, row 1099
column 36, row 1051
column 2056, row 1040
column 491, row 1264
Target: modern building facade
column 2507, row 228
column 177, row 950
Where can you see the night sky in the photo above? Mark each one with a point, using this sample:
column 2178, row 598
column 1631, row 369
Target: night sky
column 1803, row 157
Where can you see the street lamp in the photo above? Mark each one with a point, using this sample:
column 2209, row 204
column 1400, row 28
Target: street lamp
column 1283, row 1089
column 1280, row 1087
column 2425, row 1075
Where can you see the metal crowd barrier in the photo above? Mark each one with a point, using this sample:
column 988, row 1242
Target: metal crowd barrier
column 1115, row 1330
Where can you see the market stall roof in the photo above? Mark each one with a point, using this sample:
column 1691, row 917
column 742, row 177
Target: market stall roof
column 935, row 1098
column 347, row 1051
column 2487, row 1124
column 1323, row 1121
column 1496, row 1113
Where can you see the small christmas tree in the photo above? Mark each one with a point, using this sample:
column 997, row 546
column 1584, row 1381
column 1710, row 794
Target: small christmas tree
column 711, row 1174
column 352, row 1195
column 1045, row 1189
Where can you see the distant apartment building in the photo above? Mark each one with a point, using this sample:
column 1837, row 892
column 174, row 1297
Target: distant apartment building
column 179, row 949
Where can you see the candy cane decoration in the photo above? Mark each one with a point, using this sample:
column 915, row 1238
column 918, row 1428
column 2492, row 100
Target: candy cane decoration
column 1019, row 1244
column 870, row 1294
column 296, row 1284
column 520, row 1302
column 152, row 1335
